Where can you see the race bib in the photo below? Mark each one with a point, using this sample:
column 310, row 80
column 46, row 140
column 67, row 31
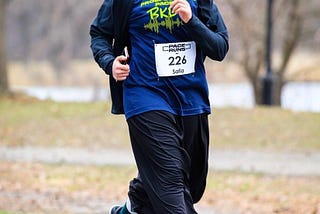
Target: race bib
column 173, row 59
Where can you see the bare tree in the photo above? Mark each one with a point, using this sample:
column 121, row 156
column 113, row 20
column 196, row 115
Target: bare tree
column 53, row 31
column 247, row 37
column 4, row 83
column 248, row 25
column 293, row 27
column 57, row 31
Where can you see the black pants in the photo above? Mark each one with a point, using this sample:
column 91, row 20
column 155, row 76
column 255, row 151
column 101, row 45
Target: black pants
column 171, row 154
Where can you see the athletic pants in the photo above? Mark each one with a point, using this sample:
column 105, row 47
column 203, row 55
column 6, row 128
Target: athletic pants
column 171, row 154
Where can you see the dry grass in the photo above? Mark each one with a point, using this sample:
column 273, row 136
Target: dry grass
column 77, row 72
column 46, row 123
column 265, row 128
column 303, row 67
column 232, row 191
column 263, row 194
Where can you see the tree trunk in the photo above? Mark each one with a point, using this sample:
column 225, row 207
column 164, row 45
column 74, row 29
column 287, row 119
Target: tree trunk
column 279, row 82
column 291, row 40
column 4, row 84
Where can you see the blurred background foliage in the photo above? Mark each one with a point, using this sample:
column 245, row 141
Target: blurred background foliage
column 56, row 33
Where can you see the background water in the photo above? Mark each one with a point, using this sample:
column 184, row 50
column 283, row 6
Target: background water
column 297, row 96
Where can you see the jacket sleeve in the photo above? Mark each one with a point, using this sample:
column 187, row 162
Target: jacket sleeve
column 209, row 31
column 101, row 32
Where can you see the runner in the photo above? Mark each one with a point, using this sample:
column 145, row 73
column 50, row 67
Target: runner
column 165, row 93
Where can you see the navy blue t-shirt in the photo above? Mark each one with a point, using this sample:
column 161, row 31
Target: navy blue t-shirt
column 151, row 22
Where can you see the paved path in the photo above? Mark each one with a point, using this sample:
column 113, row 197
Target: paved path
column 295, row 164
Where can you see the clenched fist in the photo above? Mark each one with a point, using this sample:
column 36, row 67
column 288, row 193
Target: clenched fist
column 183, row 9
column 120, row 69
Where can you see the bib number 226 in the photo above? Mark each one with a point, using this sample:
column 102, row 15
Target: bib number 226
column 173, row 59
column 177, row 60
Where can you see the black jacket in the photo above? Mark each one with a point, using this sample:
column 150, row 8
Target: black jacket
column 109, row 35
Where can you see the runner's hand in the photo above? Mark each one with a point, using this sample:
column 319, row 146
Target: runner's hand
column 120, row 69
column 183, row 9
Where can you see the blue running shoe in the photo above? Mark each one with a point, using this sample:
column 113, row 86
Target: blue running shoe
column 116, row 209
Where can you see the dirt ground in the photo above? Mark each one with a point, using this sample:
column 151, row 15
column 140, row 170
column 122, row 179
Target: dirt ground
column 62, row 188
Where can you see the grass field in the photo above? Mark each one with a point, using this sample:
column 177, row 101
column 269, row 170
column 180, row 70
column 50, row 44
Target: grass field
column 41, row 188
column 47, row 123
